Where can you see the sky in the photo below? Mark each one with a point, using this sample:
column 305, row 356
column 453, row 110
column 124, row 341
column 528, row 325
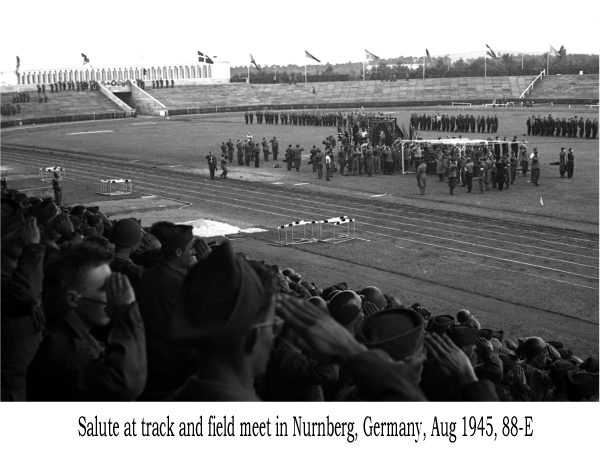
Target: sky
column 278, row 32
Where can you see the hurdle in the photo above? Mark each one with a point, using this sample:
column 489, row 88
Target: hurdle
column 106, row 187
column 285, row 241
column 47, row 173
column 343, row 234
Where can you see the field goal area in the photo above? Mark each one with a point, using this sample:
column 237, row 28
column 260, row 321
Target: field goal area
column 468, row 104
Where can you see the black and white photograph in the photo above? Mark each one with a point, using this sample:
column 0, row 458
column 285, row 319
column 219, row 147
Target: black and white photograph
column 285, row 202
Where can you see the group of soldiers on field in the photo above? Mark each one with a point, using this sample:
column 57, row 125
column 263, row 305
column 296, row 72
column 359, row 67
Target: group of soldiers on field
column 555, row 127
column 460, row 123
column 70, row 85
column 313, row 118
column 15, row 107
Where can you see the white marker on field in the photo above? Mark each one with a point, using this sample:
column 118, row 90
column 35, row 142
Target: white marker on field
column 87, row 132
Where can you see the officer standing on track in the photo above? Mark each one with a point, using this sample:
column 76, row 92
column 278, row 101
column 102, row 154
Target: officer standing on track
column 212, row 164
column 275, row 146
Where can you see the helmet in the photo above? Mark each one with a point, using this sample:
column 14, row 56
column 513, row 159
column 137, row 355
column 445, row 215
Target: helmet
column 320, row 302
column 375, row 296
column 345, row 306
column 533, row 347
column 463, row 316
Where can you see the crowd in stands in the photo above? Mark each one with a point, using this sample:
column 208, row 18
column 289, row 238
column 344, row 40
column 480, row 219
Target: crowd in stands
column 460, row 123
column 100, row 309
column 555, row 127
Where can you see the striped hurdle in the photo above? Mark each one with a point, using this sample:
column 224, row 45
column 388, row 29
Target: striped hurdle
column 343, row 233
column 47, row 173
column 316, row 226
column 126, row 187
column 286, row 239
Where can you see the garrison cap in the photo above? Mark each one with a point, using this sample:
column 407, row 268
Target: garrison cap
column 126, row 233
column 399, row 332
column 439, row 324
column 174, row 237
column 220, row 300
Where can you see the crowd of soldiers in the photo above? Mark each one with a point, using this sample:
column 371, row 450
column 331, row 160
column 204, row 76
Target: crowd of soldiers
column 15, row 108
column 555, row 127
column 451, row 123
column 98, row 309
column 69, row 85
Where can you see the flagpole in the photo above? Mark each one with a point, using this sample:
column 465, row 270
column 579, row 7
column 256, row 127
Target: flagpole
column 305, row 73
column 423, row 67
column 485, row 65
column 548, row 62
column 248, row 73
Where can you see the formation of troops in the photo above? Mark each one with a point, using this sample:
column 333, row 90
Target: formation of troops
column 451, row 123
column 556, row 127
column 341, row 120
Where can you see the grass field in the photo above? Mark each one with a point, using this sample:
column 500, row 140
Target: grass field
column 181, row 143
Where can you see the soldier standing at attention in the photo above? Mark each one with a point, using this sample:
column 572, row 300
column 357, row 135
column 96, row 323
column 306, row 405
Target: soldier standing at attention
column 212, row 164
column 230, row 150
column 251, row 115
column 223, row 149
column 57, row 188
column 421, row 177
column 570, row 163
column 535, row 167
column 246, row 116
column 223, row 165
column 318, row 162
column 298, row 157
column 257, row 155
column 452, row 167
column 240, row 153
column 562, row 162
column 275, row 145
column 265, row 146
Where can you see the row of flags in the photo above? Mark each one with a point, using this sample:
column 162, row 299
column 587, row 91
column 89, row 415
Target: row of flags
column 369, row 56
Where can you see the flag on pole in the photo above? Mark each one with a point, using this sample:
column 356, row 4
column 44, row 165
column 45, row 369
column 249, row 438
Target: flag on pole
column 310, row 56
column 252, row 61
column 85, row 59
column 553, row 52
column 201, row 57
column 562, row 52
column 18, row 64
column 491, row 53
column 428, row 56
column 371, row 56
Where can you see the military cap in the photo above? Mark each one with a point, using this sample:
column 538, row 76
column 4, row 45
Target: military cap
column 44, row 211
column 565, row 353
column 345, row 306
column 375, row 296
column 78, row 210
column 91, row 231
column 174, row 237
column 590, row 365
column 75, row 220
column 399, row 332
column 126, row 233
column 334, row 288
column 581, row 385
column 492, row 369
column 463, row 316
column 93, row 209
column 559, row 369
column 440, row 323
column 220, row 300
column 462, row 335
column 509, row 361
